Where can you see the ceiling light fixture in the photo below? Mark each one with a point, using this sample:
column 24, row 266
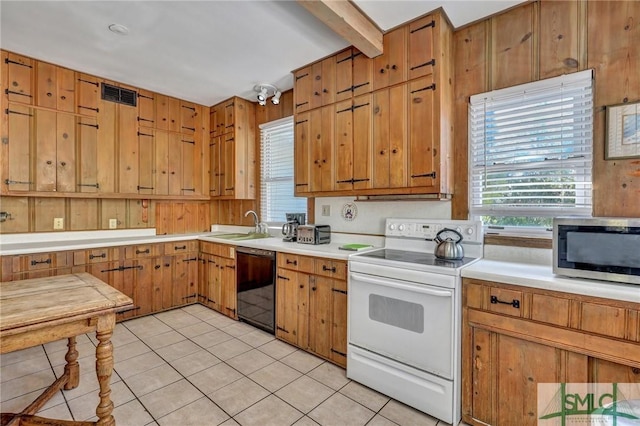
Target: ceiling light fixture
column 264, row 91
column 119, row 29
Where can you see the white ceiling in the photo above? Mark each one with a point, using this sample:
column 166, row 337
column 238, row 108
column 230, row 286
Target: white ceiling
column 201, row 51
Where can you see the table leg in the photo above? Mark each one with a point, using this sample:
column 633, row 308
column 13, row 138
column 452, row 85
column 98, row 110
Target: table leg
column 72, row 369
column 104, row 368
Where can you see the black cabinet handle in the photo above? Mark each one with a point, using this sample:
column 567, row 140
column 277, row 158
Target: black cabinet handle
column 292, row 262
column 37, row 262
column 95, row 256
column 180, row 247
column 326, row 268
column 142, row 251
column 282, row 277
column 515, row 302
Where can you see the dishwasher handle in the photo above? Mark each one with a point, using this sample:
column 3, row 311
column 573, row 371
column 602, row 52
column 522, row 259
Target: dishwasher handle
column 256, row 252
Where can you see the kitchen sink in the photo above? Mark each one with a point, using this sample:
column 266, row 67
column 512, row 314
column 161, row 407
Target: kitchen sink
column 238, row 236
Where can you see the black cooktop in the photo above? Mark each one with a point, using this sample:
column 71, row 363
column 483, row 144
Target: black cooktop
column 416, row 257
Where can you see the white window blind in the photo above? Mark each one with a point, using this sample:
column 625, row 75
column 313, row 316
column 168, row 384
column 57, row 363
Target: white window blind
column 530, row 149
column 276, row 172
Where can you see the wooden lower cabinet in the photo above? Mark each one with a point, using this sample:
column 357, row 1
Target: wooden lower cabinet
column 508, row 349
column 311, row 305
column 217, row 285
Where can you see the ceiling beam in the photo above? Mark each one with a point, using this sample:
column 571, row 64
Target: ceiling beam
column 347, row 21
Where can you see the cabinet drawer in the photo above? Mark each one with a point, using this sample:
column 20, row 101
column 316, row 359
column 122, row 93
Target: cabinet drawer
column 505, row 301
column 550, row 309
column 603, row 319
column 178, row 247
column 295, row 262
column 217, row 249
column 84, row 257
column 142, row 251
column 331, row 268
column 207, row 247
column 34, row 262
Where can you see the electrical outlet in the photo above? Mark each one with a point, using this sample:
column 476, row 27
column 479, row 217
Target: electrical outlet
column 113, row 223
column 326, row 210
column 58, row 223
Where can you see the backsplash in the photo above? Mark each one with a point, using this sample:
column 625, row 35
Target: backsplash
column 369, row 216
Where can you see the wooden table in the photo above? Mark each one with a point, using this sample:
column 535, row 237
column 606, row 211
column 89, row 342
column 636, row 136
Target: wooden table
column 41, row 310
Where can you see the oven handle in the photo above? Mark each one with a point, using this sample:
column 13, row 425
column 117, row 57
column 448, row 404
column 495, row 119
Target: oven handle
column 395, row 284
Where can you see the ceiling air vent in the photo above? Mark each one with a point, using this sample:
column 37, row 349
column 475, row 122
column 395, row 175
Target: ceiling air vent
column 119, row 95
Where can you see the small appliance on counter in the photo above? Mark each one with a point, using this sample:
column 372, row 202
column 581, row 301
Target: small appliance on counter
column 290, row 229
column 314, row 234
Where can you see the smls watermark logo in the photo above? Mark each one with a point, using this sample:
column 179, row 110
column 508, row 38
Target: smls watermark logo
column 589, row 404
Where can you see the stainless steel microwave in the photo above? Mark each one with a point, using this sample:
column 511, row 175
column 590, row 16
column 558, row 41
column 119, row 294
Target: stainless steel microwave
column 604, row 248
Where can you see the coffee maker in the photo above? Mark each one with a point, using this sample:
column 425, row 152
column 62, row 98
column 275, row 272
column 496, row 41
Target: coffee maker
column 290, row 229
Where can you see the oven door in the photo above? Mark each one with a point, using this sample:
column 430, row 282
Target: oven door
column 410, row 323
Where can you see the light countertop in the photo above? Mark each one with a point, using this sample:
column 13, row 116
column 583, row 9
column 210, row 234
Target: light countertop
column 542, row 277
column 47, row 242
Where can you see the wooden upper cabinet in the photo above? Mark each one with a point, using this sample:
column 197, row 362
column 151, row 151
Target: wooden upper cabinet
column 55, row 87
column 216, row 120
column 146, row 148
column 234, row 150
column 353, row 74
column 19, row 71
column 391, row 67
column 17, row 150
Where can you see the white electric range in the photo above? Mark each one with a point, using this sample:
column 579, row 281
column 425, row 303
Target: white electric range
column 405, row 315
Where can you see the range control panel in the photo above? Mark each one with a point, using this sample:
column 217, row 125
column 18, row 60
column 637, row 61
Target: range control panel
column 471, row 230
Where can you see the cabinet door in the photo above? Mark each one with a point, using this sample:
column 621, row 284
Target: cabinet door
column 188, row 165
column 21, row 131
column 287, row 306
column 389, row 134
column 143, row 290
column 228, row 165
column 229, row 291
column 175, row 163
column 214, row 166
column 146, row 109
column 174, row 115
column 229, row 116
column 362, row 73
column 162, row 112
column 352, row 143
column 302, row 90
column 320, row 303
column 188, row 115
column 87, row 95
column 161, row 163
column 339, row 322
column 210, row 293
column 162, row 283
column 19, row 71
column 87, row 155
column 344, row 75
column 328, row 81
column 216, row 290
column 322, row 134
column 180, row 279
column 301, row 153
column 390, row 67
column 420, row 47
column 216, row 120
column 146, row 167
column 423, row 168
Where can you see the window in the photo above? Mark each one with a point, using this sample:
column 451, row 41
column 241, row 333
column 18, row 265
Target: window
column 276, row 172
column 530, row 152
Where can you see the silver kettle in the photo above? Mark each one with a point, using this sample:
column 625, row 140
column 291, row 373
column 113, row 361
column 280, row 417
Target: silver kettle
column 449, row 248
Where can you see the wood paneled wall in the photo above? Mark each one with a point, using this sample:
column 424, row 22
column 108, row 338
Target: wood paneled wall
column 544, row 39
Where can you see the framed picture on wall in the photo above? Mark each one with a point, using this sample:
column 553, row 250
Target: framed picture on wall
column 623, row 131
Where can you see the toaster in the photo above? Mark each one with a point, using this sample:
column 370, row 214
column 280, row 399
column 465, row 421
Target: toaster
column 314, row 234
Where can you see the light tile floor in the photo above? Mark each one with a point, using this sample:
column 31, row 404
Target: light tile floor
column 193, row 366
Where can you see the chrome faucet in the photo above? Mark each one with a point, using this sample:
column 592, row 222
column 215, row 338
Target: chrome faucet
column 259, row 227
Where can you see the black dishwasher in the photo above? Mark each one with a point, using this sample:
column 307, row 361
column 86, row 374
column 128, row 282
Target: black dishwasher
column 255, row 273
